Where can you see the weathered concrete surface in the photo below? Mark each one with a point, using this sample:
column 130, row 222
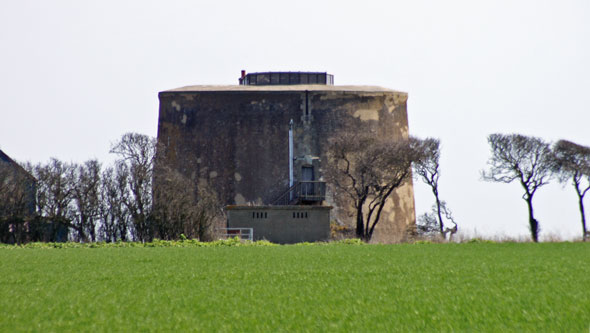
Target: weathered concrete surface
column 235, row 139
column 282, row 224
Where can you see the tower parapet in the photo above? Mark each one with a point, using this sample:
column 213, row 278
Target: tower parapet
column 285, row 78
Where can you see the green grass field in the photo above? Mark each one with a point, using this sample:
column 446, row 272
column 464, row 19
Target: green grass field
column 475, row 287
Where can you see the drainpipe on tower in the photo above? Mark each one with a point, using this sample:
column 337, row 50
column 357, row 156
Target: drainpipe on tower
column 290, row 158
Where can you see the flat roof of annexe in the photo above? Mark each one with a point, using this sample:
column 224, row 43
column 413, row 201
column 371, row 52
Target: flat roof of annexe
column 296, row 87
column 271, row 207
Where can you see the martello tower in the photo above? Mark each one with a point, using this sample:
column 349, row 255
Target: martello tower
column 250, row 142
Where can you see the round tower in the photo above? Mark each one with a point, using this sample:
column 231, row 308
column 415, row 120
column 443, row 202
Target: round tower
column 251, row 142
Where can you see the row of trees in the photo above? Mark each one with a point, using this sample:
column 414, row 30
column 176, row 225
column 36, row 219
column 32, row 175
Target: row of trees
column 533, row 163
column 368, row 168
column 86, row 202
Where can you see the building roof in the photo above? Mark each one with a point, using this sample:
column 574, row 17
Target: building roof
column 297, row 87
column 6, row 161
column 5, row 158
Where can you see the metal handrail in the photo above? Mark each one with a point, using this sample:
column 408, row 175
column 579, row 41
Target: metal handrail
column 285, row 197
column 242, row 233
column 302, row 191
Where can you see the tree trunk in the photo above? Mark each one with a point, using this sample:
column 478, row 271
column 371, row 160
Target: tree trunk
column 381, row 205
column 581, row 203
column 360, row 230
column 440, row 221
column 533, row 224
column 122, row 231
column 576, row 181
column 92, row 232
column 360, row 219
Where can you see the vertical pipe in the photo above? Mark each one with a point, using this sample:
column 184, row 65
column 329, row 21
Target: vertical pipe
column 290, row 158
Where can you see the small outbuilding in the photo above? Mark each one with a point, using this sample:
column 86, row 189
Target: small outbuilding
column 282, row 224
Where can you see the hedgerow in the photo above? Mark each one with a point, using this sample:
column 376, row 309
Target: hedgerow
column 166, row 243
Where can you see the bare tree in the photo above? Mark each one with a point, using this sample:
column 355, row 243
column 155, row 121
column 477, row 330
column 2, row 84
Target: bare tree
column 528, row 160
column 174, row 200
column 573, row 162
column 86, row 198
column 182, row 208
column 368, row 168
column 121, row 196
column 428, row 223
column 137, row 152
column 114, row 193
column 55, row 188
column 427, row 169
column 108, row 220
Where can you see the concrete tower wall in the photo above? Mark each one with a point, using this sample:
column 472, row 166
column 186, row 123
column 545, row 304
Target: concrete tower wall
column 235, row 139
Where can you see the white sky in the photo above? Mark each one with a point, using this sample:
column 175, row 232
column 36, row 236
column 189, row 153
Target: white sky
column 76, row 75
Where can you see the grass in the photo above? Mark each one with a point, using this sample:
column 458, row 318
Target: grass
column 416, row 287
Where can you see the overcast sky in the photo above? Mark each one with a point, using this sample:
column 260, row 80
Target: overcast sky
column 76, row 75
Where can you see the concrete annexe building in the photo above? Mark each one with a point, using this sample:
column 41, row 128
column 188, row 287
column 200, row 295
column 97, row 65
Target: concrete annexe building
column 251, row 142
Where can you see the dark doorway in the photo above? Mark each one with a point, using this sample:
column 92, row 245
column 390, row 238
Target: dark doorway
column 307, row 177
column 307, row 173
